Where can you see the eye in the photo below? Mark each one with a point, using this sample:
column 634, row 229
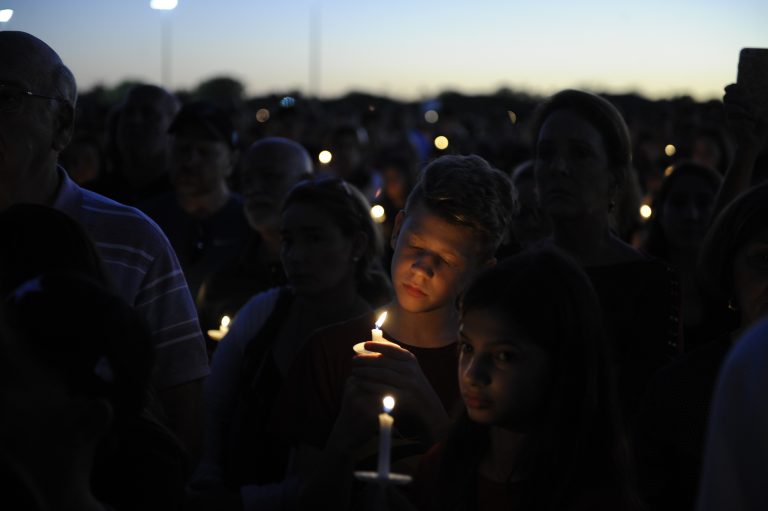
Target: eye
column 465, row 348
column 504, row 357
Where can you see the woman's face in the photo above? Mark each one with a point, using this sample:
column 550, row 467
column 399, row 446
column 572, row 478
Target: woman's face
column 316, row 255
column 572, row 169
column 750, row 279
column 686, row 211
column 503, row 375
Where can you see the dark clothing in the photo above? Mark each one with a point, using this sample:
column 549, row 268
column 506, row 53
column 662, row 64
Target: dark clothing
column 641, row 307
column 203, row 245
column 225, row 291
column 671, row 427
column 315, row 389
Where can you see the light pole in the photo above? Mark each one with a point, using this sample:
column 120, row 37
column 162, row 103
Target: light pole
column 5, row 17
column 165, row 58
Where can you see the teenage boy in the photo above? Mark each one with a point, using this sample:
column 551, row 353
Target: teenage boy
column 454, row 220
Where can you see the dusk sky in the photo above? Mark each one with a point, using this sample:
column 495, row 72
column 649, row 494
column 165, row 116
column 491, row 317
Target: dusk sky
column 407, row 49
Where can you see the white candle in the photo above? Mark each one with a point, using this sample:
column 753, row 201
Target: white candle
column 217, row 335
column 376, row 335
column 385, row 437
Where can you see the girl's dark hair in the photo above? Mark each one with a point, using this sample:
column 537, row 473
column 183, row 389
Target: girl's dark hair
column 601, row 114
column 351, row 212
column 734, row 227
column 38, row 240
column 95, row 343
column 577, row 444
column 657, row 244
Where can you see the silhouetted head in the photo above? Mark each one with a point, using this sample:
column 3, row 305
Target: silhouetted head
column 37, row 101
column 270, row 168
column 143, row 121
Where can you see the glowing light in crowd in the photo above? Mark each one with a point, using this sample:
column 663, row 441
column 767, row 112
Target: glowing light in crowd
column 670, row 150
column 669, row 170
column 163, row 5
column 378, row 214
column 512, row 116
column 441, row 142
column 325, row 157
column 431, row 116
column 6, row 15
column 287, row 102
column 262, row 115
column 646, row 211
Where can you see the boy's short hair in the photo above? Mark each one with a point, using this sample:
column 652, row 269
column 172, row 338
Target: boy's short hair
column 467, row 191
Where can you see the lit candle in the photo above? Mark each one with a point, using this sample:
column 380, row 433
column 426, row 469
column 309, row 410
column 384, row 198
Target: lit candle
column 385, row 437
column 217, row 335
column 376, row 335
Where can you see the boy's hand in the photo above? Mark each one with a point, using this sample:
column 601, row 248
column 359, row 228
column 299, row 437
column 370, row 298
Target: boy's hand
column 395, row 370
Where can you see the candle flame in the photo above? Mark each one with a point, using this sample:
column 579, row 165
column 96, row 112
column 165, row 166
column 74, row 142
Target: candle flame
column 225, row 322
column 380, row 321
column 389, row 403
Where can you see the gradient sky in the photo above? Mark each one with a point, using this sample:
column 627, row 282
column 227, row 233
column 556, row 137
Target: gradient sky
column 407, row 49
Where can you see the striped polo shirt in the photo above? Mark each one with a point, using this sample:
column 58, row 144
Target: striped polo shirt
column 146, row 273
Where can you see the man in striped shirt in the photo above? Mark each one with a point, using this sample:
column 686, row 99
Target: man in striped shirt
column 37, row 98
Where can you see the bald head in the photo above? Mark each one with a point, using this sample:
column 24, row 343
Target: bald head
column 271, row 167
column 35, row 66
column 37, row 121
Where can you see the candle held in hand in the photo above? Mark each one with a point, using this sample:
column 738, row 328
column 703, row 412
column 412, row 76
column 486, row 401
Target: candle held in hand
column 217, row 335
column 376, row 335
column 385, row 437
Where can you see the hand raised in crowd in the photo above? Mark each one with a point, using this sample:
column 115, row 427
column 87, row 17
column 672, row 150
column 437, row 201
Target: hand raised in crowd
column 747, row 123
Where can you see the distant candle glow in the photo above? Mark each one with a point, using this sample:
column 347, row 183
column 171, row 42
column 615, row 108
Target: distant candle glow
column 378, row 214
column 225, row 322
column 389, row 403
column 262, row 115
column 512, row 116
column 646, row 211
column 669, row 170
column 670, row 150
column 163, row 5
column 431, row 116
column 441, row 142
column 325, row 157
column 6, row 15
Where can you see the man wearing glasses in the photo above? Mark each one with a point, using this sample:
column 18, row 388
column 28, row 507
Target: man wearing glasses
column 37, row 101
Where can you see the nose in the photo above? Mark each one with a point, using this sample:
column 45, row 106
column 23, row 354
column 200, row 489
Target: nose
column 476, row 372
column 424, row 265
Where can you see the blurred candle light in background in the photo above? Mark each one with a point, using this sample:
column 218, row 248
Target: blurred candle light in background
column 669, row 170
column 646, row 211
column 378, row 214
column 441, row 142
column 262, row 115
column 512, row 116
column 325, row 157
column 431, row 116
column 670, row 150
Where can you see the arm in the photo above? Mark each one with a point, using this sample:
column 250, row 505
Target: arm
column 750, row 133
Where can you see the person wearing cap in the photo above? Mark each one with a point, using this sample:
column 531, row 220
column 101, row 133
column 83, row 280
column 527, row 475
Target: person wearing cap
column 37, row 105
column 202, row 217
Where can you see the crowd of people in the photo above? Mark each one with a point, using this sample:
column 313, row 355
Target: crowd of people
column 546, row 346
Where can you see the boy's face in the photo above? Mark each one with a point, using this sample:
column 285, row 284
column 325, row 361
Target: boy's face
column 433, row 260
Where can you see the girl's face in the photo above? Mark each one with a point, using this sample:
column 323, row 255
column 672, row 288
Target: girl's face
column 316, row 255
column 503, row 376
column 573, row 176
column 686, row 211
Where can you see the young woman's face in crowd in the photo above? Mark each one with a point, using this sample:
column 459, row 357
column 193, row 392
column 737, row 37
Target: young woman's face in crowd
column 686, row 211
column 503, row 376
column 572, row 168
column 750, row 279
column 316, row 255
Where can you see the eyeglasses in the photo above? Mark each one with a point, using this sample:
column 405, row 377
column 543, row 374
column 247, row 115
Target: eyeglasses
column 12, row 98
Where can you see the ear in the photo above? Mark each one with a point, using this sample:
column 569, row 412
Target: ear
column 64, row 125
column 399, row 219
